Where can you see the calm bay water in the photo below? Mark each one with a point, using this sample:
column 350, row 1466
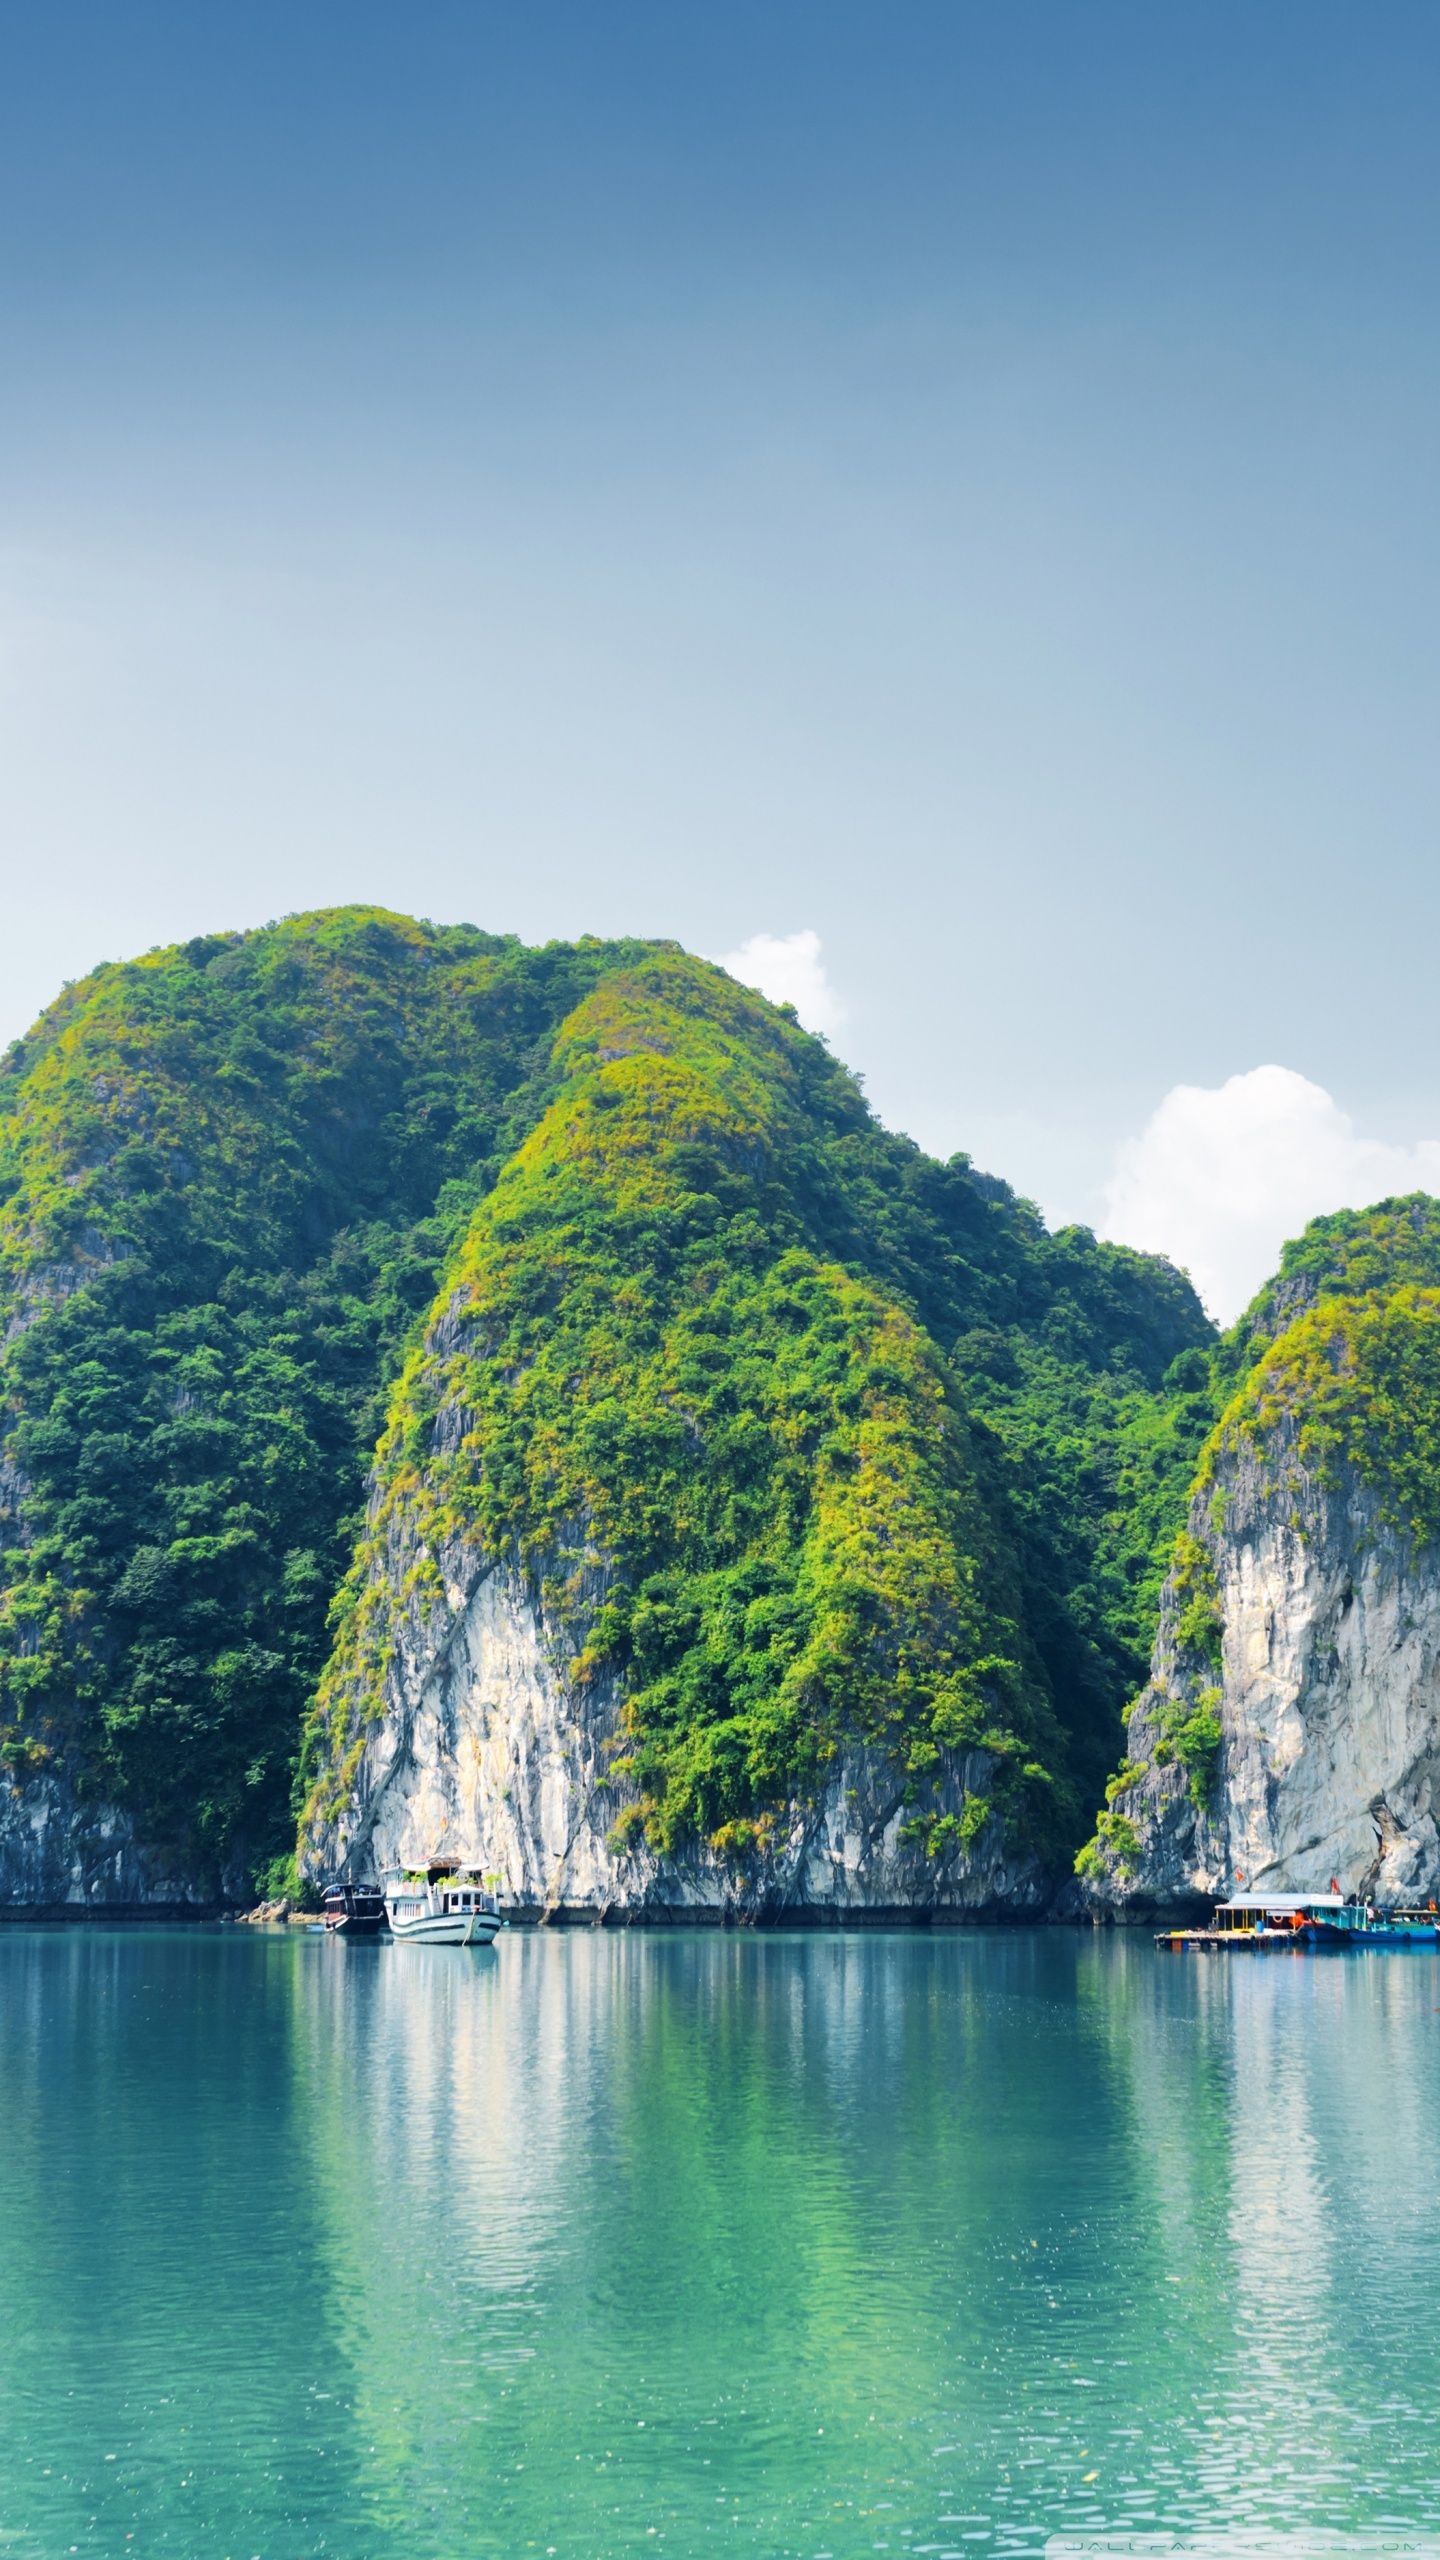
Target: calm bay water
column 798, row 2245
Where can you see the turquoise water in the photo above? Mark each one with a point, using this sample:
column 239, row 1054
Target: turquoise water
column 606, row 2243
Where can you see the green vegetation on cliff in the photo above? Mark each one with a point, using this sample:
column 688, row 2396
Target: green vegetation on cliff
column 1357, row 1381
column 1334, row 1367
column 230, row 1174
column 875, row 1456
column 1351, row 1253
column 1340, row 1353
column 655, row 1366
column 872, row 1452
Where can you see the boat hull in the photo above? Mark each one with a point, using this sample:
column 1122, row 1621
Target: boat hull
column 448, row 1928
column 1309, row 1942
column 1256, row 1942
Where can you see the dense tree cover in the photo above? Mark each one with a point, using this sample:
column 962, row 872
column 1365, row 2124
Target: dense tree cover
column 230, row 1175
column 1359, row 1381
column 1341, row 1355
column 234, row 1176
column 1339, row 1349
column 1349, row 1253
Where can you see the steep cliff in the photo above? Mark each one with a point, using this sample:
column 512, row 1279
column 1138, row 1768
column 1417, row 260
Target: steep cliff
column 788, row 1593
column 684, row 1583
column 1290, row 1729
column 487, row 1749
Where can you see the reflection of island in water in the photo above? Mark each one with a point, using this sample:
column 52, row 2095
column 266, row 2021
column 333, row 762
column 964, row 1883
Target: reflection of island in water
column 993, row 2213
column 799, row 2243
column 1287, row 2115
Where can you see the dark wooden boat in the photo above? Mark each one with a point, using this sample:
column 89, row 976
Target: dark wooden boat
column 354, row 1910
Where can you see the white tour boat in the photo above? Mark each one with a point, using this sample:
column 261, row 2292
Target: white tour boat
column 441, row 1904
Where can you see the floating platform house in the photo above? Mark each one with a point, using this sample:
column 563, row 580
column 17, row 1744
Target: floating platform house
column 1304, row 1923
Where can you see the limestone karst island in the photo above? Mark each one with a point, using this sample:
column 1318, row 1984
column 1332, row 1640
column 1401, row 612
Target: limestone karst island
column 719, row 1280
column 520, row 1406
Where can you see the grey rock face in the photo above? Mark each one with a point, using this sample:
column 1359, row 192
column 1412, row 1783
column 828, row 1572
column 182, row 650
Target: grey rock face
column 61, row 1853
column 488, row 1752
column 1328, row 1678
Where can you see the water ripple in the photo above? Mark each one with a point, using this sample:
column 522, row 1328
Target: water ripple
column 800, row 2245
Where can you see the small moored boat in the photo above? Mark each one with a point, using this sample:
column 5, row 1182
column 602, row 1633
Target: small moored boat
column 441, row 1904
column 354, row 1910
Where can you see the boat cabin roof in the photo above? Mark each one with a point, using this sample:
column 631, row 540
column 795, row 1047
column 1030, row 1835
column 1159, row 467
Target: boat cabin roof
column 434, row 1871
column 1285, row 1902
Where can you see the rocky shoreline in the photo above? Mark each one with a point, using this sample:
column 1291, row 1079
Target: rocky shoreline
column 660, row 1918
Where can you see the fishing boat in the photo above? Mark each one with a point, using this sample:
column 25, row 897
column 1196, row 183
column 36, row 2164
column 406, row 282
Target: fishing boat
column 1415, row 1925
column 1303, row 1923
column 442, row 1904
column 354, row 1910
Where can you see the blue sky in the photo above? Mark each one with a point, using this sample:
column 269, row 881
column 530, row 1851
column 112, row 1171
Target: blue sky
column 957, row 481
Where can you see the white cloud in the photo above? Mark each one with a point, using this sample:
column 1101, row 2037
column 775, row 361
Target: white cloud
column 1221, row 1175
column 787, row 968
